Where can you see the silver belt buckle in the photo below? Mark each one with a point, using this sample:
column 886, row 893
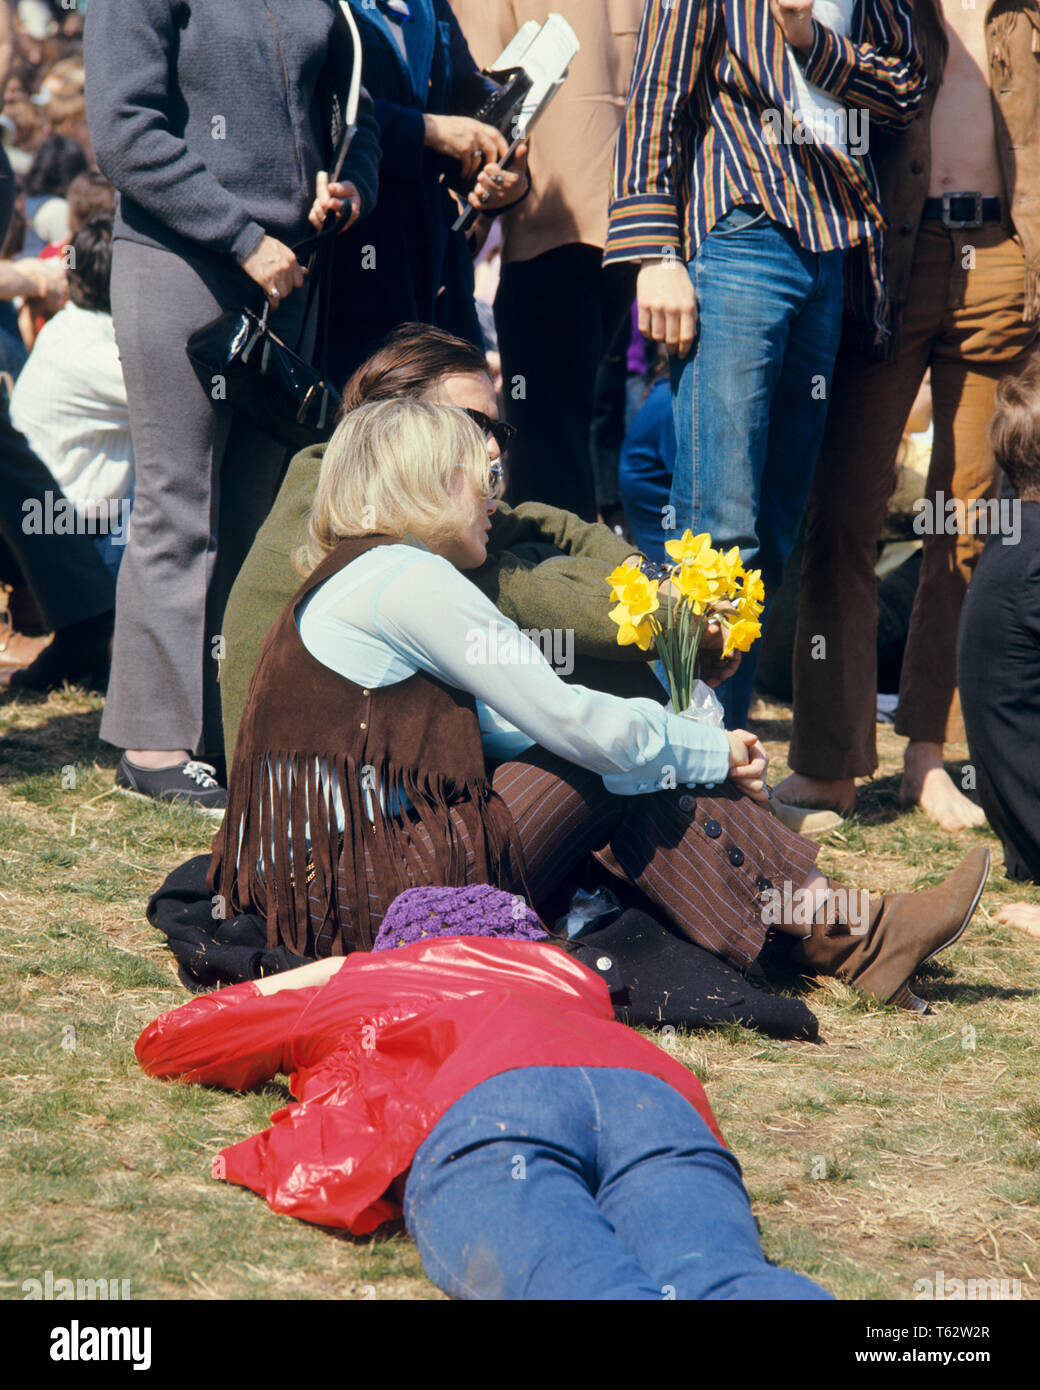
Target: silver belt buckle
column 951, row 223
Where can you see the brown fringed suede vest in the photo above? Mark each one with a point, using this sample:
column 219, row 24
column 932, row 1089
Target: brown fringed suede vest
column 419, row 738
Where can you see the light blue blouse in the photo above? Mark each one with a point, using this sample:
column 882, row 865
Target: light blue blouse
column 399, row 609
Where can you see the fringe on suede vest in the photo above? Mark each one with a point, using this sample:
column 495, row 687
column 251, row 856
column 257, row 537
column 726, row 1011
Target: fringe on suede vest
column 418, row 737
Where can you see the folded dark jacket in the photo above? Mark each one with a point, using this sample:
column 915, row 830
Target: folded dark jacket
column 211, row 950
column 658, row 979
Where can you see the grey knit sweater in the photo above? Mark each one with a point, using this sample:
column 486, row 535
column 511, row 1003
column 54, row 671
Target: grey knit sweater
column 205, row 117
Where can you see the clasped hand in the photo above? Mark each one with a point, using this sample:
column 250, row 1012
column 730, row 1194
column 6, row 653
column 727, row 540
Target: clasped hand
column 479, row 148
column 748, row 764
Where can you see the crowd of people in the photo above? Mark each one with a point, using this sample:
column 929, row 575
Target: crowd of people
column 384, row 664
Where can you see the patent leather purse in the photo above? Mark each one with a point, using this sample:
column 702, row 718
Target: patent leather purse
column 239, row 359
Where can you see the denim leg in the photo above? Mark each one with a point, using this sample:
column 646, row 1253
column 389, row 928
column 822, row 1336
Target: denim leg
column 798, row 416
column 499, row 1200
column 722, row 393
column 585, row 1183
column 676, row 1198
column 796, row 425
column 747, row 427
column 645, row 471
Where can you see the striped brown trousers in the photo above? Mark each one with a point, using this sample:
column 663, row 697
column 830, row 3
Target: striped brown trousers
column 704, row 858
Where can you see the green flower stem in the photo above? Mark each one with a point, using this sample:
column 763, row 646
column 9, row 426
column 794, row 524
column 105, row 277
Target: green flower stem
column 678, row 644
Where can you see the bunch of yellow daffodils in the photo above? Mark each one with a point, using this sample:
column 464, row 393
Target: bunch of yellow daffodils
column 706, row 586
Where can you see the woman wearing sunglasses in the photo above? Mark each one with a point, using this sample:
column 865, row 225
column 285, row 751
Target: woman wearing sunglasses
column 400, row 730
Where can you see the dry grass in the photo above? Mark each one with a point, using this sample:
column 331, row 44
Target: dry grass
column 895, row 1148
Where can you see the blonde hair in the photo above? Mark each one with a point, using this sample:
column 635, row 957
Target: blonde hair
column 391, row 468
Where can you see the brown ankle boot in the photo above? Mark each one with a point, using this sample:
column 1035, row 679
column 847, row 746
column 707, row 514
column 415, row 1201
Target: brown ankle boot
column 906, row 929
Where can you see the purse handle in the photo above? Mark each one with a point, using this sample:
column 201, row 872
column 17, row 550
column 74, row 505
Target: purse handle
column 314, row 243
column 317, row 248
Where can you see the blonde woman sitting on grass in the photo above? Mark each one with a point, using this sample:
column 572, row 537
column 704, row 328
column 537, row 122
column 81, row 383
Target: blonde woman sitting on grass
column 392, row 738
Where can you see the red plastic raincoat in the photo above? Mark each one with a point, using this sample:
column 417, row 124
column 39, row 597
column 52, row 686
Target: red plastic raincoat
column 379, row 1053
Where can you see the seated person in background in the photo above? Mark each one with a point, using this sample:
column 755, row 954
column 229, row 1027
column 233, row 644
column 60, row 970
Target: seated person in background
column 90, row 195
column 545, row 567
column 998, row 648
column 70, row 399
column 360, row 763
column 434, row 1072
column 60, row 582
column 14, row 283
column 55, row 164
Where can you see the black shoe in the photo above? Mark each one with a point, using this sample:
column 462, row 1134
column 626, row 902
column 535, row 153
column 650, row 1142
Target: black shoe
column 78, row 654
column 190, row 781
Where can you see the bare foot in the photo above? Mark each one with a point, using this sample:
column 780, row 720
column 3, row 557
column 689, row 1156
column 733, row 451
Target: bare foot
column 927, row 784
column 796, row 790
column 1025, row 916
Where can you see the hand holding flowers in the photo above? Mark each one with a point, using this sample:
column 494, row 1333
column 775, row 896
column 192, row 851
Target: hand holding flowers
column 708, row 588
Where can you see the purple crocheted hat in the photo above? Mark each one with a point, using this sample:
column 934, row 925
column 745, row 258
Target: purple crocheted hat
column 477, row 910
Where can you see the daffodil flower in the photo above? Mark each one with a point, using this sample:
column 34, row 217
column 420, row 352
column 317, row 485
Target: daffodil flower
column 696, row 586
column 689, row 549
column 754, row 589
column 618, row 578
column 640, row 633
column 741, row 636
column 729, row 569
column 639, row 596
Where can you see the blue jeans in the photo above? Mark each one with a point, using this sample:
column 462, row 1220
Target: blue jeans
column 645, row 470
column 751, row 399
column 585, row 1183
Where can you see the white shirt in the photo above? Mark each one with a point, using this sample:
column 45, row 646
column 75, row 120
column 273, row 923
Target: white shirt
column 70, row 403
column 817, row 109
column 399, row 609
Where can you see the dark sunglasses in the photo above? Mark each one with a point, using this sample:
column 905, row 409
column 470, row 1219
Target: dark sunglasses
column 500, row 432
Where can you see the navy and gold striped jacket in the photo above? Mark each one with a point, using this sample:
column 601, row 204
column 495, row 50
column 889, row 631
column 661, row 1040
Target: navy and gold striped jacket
column 711, row 87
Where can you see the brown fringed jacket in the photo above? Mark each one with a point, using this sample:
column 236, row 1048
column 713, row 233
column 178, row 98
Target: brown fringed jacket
column 418, row 738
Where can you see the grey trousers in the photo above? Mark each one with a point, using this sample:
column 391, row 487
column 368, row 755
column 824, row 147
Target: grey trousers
column 205, row 481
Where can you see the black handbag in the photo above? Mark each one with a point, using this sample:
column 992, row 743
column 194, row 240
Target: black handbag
column 236, row 356
column 238, row 359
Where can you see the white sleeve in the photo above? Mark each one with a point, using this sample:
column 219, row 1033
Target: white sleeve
column 432, row 616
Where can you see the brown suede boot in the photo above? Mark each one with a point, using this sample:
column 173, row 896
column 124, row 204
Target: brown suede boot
column 906, row 929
